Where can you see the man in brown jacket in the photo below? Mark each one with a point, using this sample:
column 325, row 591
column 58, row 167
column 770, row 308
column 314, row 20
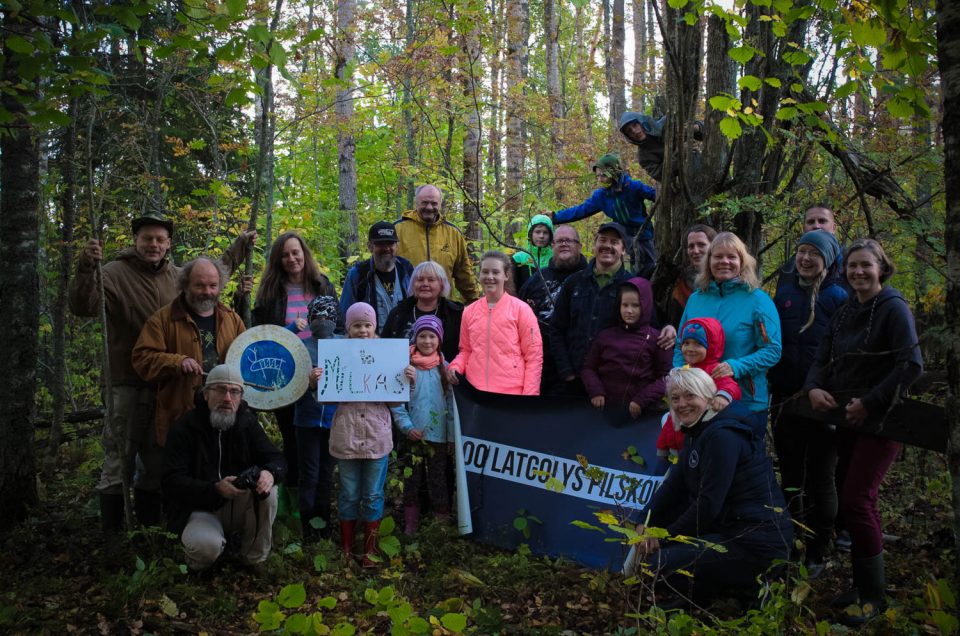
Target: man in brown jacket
column 180, row 343
column 141, row 280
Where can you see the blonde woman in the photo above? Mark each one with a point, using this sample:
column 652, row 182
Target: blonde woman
column 728, row 289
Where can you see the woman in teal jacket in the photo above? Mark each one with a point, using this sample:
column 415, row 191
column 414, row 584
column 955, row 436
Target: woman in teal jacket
column 728, row 289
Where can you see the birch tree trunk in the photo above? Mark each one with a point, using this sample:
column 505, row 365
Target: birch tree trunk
column 346, row 145
column 551, row 26
column 496, row 69
column 584, row 64
column 516, row 50
column 470, row 68
column 617, row 78
column 638, row 92
column 410, row 133
column 19, row 291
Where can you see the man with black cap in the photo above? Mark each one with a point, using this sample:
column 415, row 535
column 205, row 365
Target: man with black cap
column 587, row 303
column 381, row 281
column 141, row 280
column 219, row 475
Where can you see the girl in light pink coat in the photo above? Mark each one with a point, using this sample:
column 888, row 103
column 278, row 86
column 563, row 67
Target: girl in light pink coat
column 500, row 346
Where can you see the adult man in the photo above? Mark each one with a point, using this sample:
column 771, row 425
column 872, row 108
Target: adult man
column 181, row 342
column 426, row 236
column 646, row 133
column 541, row 290
column 220, row 473
column 587, row 303
column 382, row 281
column 141, row 280
column 697, row 239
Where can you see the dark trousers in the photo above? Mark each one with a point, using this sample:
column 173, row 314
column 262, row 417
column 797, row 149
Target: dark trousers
column 863, row 460
column 428, row 463
column 285, row 424
column 316, row 472
column 807, row 451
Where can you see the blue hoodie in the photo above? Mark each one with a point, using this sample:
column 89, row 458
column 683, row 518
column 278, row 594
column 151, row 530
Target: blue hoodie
column 752, row 327
column 626, row 207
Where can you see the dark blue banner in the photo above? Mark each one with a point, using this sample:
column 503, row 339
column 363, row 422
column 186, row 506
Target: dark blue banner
column 526, row 457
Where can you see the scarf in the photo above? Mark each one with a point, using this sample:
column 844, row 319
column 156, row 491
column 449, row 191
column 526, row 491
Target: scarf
column 422, row 362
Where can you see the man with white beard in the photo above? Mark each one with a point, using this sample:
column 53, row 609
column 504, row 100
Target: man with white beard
column 220, row 474
column 182, row 341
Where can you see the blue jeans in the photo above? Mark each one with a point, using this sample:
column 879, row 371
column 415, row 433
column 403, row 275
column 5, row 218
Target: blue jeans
column 361, row 488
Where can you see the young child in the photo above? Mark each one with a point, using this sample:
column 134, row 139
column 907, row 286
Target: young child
column 312, row 421
column 540, row 241
column 625, row 367
column 427, row 418
column 701, row 344
column 361, row 440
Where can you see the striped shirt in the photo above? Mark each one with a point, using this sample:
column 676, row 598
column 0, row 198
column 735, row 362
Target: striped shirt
column 297, row 301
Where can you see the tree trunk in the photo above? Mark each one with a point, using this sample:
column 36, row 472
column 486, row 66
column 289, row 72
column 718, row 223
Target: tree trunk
column 516, row 49
column 948, row 46
column 551, row 26
column 19, row 291
column 346, row 145
column 719, row 79
column 584, row 64
column 617, row 77
column 638, row 91
column 470, row 67
column 496, row 70
column 410, row 133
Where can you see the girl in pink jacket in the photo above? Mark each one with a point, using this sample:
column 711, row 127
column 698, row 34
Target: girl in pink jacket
column 500, row 346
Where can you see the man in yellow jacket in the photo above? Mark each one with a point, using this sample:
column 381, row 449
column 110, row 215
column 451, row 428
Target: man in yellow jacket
column 426, row 236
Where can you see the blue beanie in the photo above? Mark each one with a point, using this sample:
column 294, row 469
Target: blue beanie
column 694, row 331
column 825, row 242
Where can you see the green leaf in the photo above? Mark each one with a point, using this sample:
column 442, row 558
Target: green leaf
column 788, row 112
column 900, row 108
column 259, row 32
column 585, row 525
column 845, row 90
column 386, row 595
column 721, row 102
column 730, row 127
column 742, row 54
column 796, row 58
column 520, row 523
column 236, row 7
column 417, row 625
column 297, row 624
column 454, row 622
column 370, row 596
column 319, row 563
column 128, row 18
column 868, row 33
column 690, row 18
column 293, row 595
column 780, row 29
column 387, row 526
column 312, row 37
column 749, row 82
column 327, row 602
column 773, row 81
column 18, row 44
column 390, row 545
column 268, row 615
column 236, row 97
column 677, row 4
column 638, row 459
column 344, row 629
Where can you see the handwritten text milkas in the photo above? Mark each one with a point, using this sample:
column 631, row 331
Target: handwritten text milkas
column 363, row 370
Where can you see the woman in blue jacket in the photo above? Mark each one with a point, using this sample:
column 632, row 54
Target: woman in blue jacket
column 622, row 199
column 728, row 289
column 806, row 299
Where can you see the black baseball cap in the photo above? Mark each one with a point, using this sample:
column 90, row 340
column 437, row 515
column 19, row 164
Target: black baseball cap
column 613, row 226
column 382, row 232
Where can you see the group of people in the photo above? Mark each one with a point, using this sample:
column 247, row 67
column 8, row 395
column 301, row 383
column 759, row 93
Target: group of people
column 546, row 321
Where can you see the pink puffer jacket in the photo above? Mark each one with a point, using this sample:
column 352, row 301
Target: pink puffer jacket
column 500, row 349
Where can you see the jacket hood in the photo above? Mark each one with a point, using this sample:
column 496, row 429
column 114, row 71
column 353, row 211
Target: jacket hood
column 652, row 126
column 644, row 289
column 411, row 215
column 886, row 294
column 540, row 219
column 716, row 340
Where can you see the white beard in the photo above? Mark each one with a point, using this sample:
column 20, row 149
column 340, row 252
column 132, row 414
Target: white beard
column 222, row 421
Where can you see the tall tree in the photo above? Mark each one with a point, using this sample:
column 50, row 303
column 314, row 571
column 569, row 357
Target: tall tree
column 638, row 90
column 346, row 144
column 948, row 45
column 470, row 70
column 516, row 51
column 551, row 27
column 19, row 281
column 617, row 77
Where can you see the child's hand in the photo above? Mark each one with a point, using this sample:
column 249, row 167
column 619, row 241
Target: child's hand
column 452, row 376
column 416, row 434
column 719, row 403
column 411, row 374
column 301, row 324
column 635, row 410
column 315, row 374
column 598, row 401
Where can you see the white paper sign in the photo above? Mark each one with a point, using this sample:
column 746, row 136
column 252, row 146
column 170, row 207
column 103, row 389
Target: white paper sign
column 363, row 370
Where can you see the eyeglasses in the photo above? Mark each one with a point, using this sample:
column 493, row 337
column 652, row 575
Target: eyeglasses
column 234, row 393
column 566, row 242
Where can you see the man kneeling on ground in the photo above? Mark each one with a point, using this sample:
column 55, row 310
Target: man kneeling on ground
column 220, row 475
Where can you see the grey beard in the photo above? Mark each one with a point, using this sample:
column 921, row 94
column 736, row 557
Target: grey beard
column 222, row 421
column 202, row 306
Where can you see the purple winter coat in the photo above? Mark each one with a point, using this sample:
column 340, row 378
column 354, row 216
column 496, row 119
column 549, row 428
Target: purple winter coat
column 624, row 363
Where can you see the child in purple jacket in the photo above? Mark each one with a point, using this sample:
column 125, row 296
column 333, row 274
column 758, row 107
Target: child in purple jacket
column 625, row 367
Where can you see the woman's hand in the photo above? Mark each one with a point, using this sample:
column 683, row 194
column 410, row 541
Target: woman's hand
column 820, row 400
column 635, row 410
column 856, row 412
column 315, row 374
column 452, row 376
column 416, row 434
column 718, row 403
column 598, row 401
column 722, row 370
column 667, row 338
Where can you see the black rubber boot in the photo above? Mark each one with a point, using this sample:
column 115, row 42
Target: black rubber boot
column 869, row 579
column 148, row 506
column 111, row 513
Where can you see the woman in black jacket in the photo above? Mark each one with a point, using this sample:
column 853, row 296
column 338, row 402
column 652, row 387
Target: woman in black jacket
column 868, row 358
column 428, row 295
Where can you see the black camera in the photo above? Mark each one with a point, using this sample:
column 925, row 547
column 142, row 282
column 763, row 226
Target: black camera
column 247, row 480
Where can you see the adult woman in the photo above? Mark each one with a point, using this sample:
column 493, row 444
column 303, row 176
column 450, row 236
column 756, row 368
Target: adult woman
column 500, row 346
column 428, row 294
column 806, row 300
column 867, row 359
column 722, row 491
column 696, row 241
column 728, row 289
column 290, row 281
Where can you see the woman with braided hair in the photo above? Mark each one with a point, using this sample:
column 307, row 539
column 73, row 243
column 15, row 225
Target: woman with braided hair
column 868, row 358
column 806, row 299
